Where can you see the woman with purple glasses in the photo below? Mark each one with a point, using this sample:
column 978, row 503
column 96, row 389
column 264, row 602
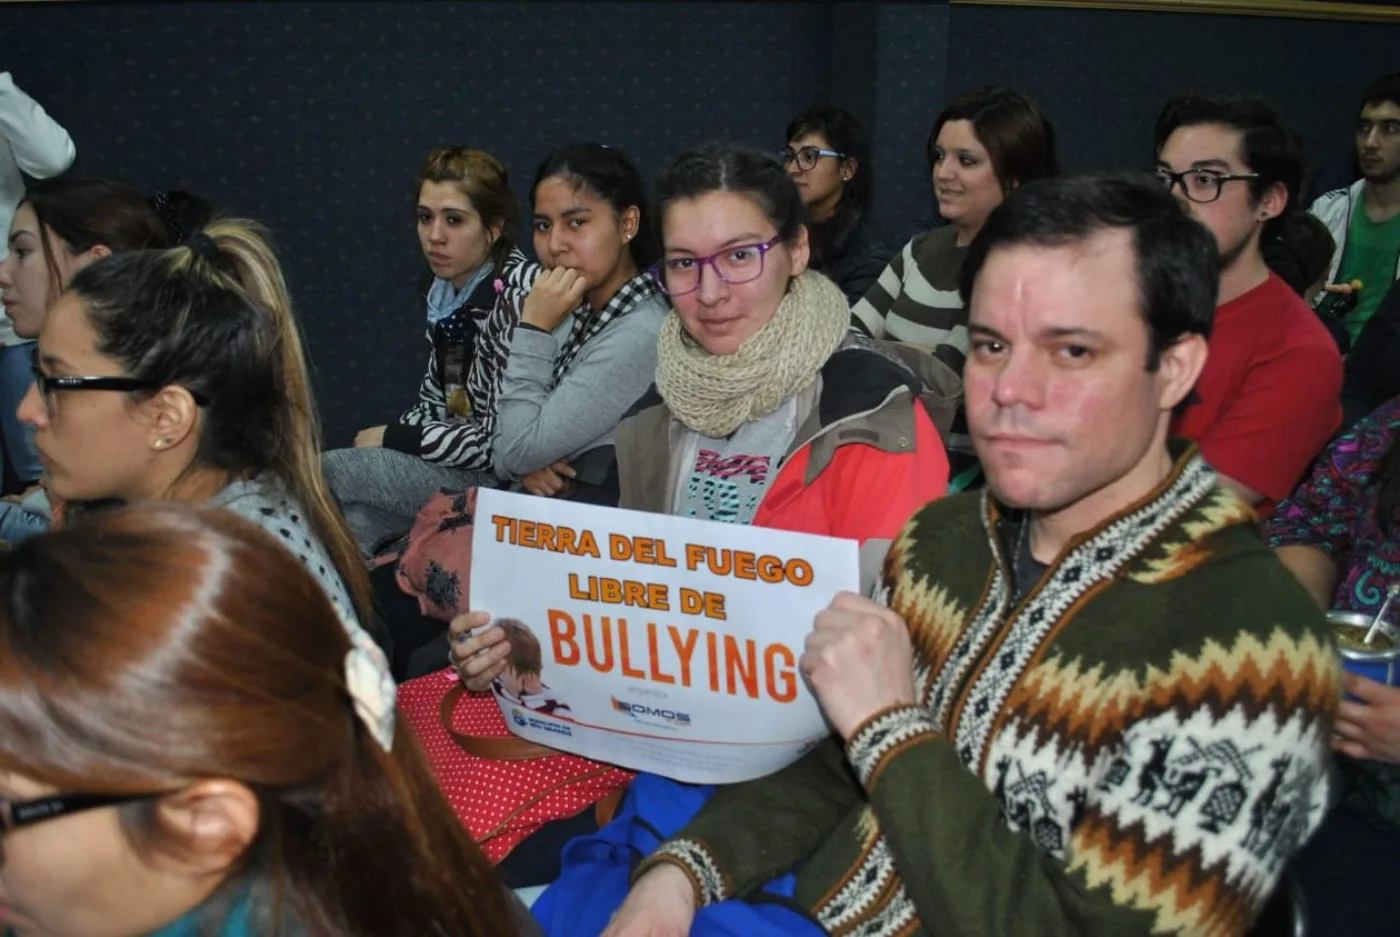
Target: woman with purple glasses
column 767, row 410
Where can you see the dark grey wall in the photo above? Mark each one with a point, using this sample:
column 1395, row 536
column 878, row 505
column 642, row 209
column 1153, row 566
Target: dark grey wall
column 912, row 86
column 313, row 116
column 1103, row 75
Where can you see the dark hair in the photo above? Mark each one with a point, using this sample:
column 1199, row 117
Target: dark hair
column 1018, row 137
column 222, row 328
column 1383, row 89
column 83, row 213
column 483, row 180
column 728, row 167
column 1178, row 263
column 846, row 136
column 611, row 175
column 1268, row 149
column 1305, row 239
column 152, row 647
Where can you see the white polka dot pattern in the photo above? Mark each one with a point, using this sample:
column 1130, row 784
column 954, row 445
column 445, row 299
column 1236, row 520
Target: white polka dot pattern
column 484, row 793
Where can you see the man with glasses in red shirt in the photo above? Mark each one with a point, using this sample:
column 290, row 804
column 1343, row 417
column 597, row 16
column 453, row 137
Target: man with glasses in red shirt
column 1268, row 398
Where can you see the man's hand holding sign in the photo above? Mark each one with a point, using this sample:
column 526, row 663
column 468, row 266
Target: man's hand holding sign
column 859, row 662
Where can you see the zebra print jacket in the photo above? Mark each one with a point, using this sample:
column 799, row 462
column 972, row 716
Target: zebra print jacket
column 455, row 416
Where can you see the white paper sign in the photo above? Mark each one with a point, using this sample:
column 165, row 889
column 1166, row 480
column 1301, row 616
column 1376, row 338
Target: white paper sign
column 661, row 644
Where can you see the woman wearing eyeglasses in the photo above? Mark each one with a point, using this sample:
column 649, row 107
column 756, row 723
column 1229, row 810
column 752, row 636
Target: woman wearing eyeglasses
column 829, row 158
column 189, row 746
column 767, row 409
column 982, row 146
column 177, row 375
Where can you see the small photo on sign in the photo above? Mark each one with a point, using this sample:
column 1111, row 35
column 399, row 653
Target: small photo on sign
column 522, row 682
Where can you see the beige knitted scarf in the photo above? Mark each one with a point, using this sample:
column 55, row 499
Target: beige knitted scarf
column 716, row 394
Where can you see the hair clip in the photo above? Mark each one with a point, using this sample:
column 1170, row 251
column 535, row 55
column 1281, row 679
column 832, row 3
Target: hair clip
column 371, row 688
column 499, row 284
column 166, row 210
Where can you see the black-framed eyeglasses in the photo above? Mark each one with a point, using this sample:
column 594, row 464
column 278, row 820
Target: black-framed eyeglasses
column 1202, row 186
column 733, row 265
column 806, row 157
column 17, row 813
column 48, row 384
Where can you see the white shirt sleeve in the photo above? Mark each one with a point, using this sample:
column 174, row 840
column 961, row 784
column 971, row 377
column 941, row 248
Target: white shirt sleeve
column 40, row 146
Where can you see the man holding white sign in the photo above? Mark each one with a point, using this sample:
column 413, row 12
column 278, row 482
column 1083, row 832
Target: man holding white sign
column 1088, row 701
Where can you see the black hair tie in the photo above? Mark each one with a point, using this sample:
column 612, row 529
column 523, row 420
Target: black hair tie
column 203, row 247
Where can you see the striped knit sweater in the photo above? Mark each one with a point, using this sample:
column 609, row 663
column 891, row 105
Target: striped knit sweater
column 455, row 416
column 1137, row 746
column 916, row 299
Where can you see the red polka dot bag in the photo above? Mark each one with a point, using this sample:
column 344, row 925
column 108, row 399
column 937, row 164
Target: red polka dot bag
column 501, row 787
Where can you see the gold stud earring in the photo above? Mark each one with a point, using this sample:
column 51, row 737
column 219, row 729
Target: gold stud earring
column 162, row 443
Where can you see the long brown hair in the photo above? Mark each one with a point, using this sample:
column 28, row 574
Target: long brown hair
column 151, row 647
column 223, row 328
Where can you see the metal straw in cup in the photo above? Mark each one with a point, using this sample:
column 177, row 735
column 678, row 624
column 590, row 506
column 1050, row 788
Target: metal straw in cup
column 1376, row 624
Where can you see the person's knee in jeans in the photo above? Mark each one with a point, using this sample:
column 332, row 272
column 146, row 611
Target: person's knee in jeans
column 338, row 468
column 341, row 474
column 372, row 527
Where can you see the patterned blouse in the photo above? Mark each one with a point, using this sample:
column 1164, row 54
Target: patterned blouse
column 1335, row 511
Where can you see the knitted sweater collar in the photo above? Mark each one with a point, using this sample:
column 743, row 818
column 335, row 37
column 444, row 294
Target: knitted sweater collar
column 1186, row 507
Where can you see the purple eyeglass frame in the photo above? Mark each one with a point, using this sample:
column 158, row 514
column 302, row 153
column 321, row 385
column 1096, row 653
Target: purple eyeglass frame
column 658, row 269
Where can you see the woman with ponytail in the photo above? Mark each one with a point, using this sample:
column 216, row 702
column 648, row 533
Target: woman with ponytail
column 178, row 375
column 200, row 750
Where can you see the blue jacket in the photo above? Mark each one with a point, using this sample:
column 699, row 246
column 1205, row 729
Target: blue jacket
column 596, row 870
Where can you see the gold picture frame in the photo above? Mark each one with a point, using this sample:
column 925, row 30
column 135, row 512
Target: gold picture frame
column 1376, row 11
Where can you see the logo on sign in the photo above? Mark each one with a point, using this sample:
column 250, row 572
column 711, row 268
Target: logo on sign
column 644, row 712
column 518, row 718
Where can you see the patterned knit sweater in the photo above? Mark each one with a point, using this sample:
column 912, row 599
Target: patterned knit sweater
column 1136, row 746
